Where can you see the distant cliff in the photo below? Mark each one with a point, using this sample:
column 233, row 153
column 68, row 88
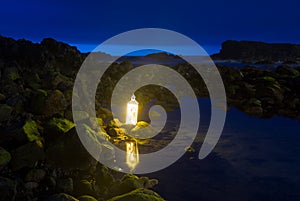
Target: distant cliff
column 249, row 51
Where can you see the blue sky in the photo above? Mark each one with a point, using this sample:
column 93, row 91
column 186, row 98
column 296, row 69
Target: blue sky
column 88, row 23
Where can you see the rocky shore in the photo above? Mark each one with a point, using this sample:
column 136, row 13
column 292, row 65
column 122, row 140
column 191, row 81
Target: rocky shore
column 41, row 157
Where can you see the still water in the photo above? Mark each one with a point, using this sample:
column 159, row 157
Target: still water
column 255, row 159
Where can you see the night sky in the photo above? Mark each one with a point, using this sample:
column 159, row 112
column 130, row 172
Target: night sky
column 88, row 23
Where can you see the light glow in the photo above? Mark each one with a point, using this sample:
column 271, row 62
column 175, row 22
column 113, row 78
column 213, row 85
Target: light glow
column 132, row 154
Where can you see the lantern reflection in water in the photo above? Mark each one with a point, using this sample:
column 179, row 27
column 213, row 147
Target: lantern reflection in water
column 132, row 154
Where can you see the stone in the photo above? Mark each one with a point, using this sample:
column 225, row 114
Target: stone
column 67, row 151
column 57, row 126
column 61, row 197
column 55, row 104
column 5, row 157
column 31, row 185
column 8, row 189
column 84, row 187
column 64, row 185
column 35, row 175
column 116, row 132
column 27, row 155
column 38, row 101
column 5, row 112
column 138, row 195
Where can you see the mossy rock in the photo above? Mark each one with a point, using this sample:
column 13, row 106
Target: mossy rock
column 5, row 112
column 138, row 195
column 57, row 126
column 127, row 184
column 64, row 185
column 5, row 157
column 87, row 198
column 31, row 131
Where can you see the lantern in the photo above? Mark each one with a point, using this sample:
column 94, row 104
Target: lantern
column 132, row 111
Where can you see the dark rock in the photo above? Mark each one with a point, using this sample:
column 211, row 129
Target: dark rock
column 31, row 185
column 27, row 155
column 5, row 112
column 84, row 187
column 67, row 151
column 38, row 101
column 35, row 175
column 55, row 104
column 56, row 127
column 7, row 189
column 61, row 197
column 5, row 157
column 64, row 185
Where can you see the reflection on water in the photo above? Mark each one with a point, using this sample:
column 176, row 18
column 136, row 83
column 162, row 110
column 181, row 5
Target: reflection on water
column 132, row 154
column 255, row 159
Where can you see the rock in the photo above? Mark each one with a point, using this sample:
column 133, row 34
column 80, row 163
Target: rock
column 55, row 104
column 5, row 112
column 115, row 123
column 31, row 185
column 86, row 198
column 7, row 189
column 138, row 195
column 61, row 197
column 84, row 187
column 61, row 152
column 104, row 179
column 64, row 185
column 104, row 114
column 286, row 70
column 149, row 183
column 27, row 155
column 127, row 184
column 2, row 97
column 116, row 132
column 57, row 126
column 38, row 101
column 35, row 175
column 30, row 129
column 5, row 157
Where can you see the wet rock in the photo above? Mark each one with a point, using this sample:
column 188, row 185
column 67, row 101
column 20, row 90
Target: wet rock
column 5, row 157
column 115, row 123
column 55, row 104
column 61, row 197
column 116, row 132
column 27, row 155
column 87, row 198
column 138, row 195
column 35, row 175
column 7, row 189
column 64, row 185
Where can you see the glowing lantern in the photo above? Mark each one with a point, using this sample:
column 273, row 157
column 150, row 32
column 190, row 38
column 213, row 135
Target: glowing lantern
column 132, row 154
column 132, row 111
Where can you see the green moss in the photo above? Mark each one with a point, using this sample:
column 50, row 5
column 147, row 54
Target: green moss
column 14, row 76
column 5, row 157
column 86, row 198
column 138, row 195
column 31, row 130
column 61, row 125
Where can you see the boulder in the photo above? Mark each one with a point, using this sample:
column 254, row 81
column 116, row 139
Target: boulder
column 56, row 127
column 27, row 155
